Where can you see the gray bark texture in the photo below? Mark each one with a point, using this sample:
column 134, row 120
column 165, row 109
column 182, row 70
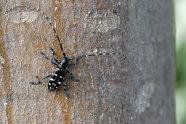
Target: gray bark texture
column 112, row 89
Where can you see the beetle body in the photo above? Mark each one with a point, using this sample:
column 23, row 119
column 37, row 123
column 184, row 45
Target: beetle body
column 58, row 75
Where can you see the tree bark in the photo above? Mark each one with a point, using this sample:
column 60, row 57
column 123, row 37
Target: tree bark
column 112, row 89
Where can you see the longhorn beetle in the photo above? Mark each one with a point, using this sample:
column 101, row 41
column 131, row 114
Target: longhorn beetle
column 58, row 76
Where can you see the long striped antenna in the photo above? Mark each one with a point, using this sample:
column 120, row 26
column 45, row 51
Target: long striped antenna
column 98, row 54
column 55, row 32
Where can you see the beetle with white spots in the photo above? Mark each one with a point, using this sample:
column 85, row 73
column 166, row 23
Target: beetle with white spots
column 58, row 76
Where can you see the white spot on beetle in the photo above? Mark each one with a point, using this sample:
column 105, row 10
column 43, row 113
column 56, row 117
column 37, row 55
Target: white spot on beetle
column 51, row 79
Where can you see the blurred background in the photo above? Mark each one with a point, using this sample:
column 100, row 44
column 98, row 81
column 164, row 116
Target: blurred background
column 180, row 96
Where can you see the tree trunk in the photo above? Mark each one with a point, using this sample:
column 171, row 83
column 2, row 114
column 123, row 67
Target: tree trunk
column 112, row 89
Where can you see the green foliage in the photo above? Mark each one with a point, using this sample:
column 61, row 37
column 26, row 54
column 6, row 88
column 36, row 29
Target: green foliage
column 181, row 66
column 181, row 83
